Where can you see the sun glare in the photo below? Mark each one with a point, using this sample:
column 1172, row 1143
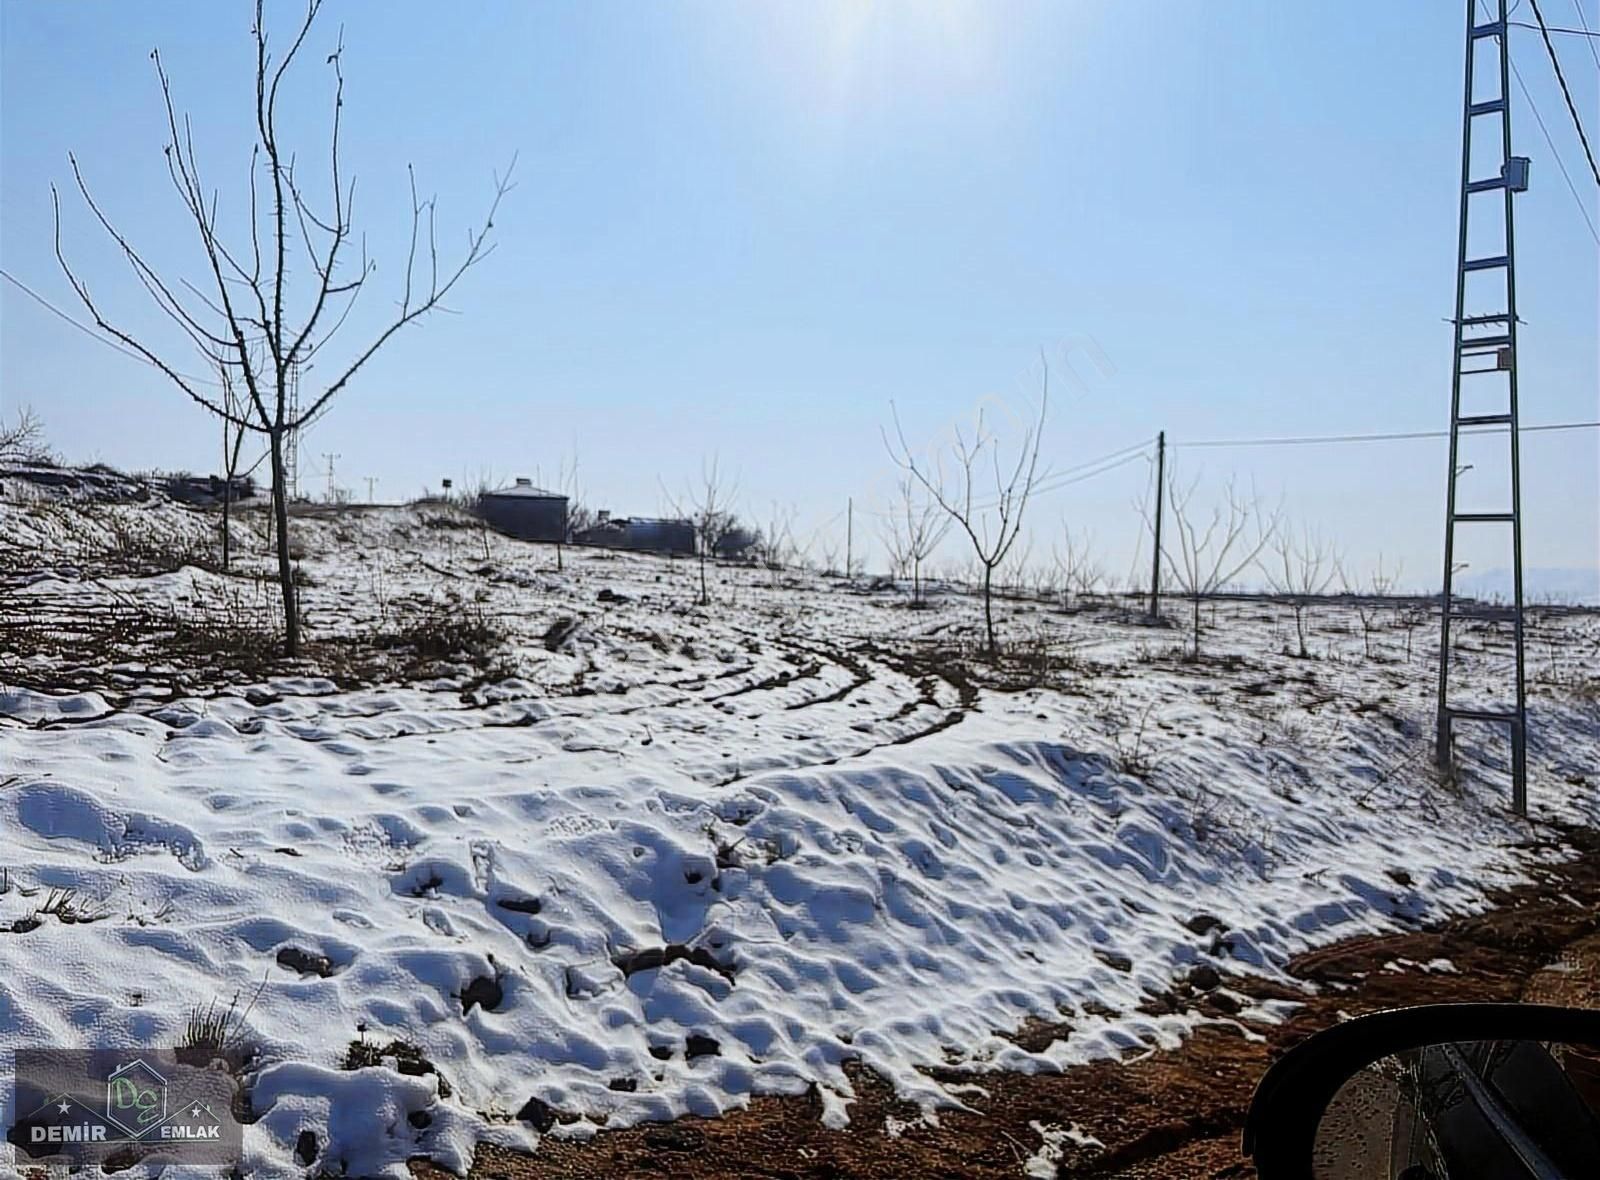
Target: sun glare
column 856, row 53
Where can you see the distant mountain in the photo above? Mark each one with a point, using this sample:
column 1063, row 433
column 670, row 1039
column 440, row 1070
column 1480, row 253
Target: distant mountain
column 1567, row 584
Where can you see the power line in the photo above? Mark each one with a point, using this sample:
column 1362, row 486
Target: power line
column 1115, row 459
column 1584, row 32
column 1388, row 436
column 1556, row 154
column 90, row 331
column 1056, row 483
column 1577, row 6
column 1572, row 107
column 1052, row 481
column 1070, row 475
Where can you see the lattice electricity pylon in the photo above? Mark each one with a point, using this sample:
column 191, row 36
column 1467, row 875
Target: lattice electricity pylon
column 291, row 450
column 1486, row 351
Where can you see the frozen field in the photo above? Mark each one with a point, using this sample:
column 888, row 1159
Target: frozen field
column 638, row 858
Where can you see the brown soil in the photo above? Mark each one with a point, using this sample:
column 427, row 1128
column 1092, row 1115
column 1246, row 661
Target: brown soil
column 1167, row 1115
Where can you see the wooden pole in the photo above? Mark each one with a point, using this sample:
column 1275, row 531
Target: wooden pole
column 849, row 533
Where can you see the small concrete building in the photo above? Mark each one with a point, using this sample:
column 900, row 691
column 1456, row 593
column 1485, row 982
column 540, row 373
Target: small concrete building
column 737, row 544
column 206, row 490
column 526, row 512
column 659, row 536
column 639, row 533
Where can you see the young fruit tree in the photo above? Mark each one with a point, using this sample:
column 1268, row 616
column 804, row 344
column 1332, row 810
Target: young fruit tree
column 232, row 446
column 244, row 302
column 1209, row 556
column 778, row 548
column 1300, row 569
column 1370, row 599
column 22, row 438
column 709, row 508
column 958, row 478
column 1075, row 571
column 912, row 529
column 579, row 517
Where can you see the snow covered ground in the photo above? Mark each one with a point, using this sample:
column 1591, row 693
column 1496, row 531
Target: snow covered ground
column 645, row 858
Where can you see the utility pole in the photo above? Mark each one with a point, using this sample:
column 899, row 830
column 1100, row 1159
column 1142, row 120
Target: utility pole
column 849, row 533
column 1155, row 559
column 372, row 483
column 1486, row 353
column 330, row 457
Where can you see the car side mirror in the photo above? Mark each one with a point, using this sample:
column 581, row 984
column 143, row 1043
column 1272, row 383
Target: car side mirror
column 1438, row 1092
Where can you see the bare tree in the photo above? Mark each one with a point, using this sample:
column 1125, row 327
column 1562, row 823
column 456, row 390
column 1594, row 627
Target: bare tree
column 912, row 529
column 802, row 547
column 709, row 507
column 241, row 306
column 1012, row 573
column 1410, row 617
column 1077, row 571
column 1300, row 569
column 828, row 549
column 895, row 545
column 1380, row 586
column 1210, row 556
column 778, row 548
column 578, row 515
column 232, row 446
column 22, row 438
column 958, row 479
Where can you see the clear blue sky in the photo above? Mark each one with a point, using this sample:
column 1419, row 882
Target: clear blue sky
column 744, row 228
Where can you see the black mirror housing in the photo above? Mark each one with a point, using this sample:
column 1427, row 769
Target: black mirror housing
column 1281, row 1128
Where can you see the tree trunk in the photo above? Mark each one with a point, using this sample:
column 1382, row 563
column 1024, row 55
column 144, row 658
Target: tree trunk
column 705, row 598
column 988, row 610
column 280, row 514
column 1197, row 626
column 227, row 498
column 916, row 580
column 230, row 467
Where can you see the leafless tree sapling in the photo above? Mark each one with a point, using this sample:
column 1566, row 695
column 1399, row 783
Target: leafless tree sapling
column 1209, row 556
column 232, row 447
column 709, row 508
column 958, row 479
column 21, row 439
column 242, row 303
column 828, row 549
column 1013, row 573
column 579, row 516
column 1077, row 571
column 1300, row 569
column 777, row 540
column 1380, row 586
column 1410, row 617
column 912, row 529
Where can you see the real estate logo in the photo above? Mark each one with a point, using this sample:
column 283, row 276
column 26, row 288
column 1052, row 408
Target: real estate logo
column 104, row 1106
column 136, row 1098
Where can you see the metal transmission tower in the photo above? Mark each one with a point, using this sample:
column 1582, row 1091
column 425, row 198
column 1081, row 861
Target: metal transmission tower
column 1486, row 360
column 291, row 451
column 332, row 490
